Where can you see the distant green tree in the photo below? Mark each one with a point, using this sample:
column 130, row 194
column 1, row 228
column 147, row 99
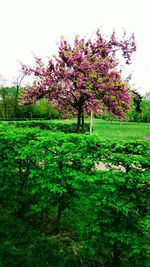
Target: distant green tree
column 145, row 106
column 17, row 86
column 137, row 99
column 7, row 101
column 134, row 114
column 44, row 110
column 10, row 109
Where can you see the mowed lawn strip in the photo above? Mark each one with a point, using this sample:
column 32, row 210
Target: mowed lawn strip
column 121, row 130
column 112, row 130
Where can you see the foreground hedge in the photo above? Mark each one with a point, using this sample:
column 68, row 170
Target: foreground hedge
column 50, row 126
column 59, row 209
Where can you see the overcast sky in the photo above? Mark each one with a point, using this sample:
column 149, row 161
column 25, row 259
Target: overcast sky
column 30, row 27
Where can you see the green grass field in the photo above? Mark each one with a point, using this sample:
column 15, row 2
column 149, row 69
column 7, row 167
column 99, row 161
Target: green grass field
column 117, row 130
column 121, row 130
column 114, row 130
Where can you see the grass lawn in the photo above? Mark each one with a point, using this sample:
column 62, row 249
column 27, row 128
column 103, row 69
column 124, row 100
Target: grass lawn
column 117, row 130
column 114, row 130
column 121, row 130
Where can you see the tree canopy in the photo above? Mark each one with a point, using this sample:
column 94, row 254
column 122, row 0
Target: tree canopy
column 84, row 77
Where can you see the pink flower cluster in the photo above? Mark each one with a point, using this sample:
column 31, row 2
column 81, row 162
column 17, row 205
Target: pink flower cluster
column 83, row 77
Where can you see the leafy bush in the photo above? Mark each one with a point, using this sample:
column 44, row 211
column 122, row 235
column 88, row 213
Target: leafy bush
column 59, row 208
column 51, row 126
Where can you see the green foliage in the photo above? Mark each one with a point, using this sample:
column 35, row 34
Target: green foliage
column 58, row 208
column 7, row 101
column 145, row 106
column 21, row 245
column 49, row 125
column 107, row 130
column 132, row 114
column 10, row 109
column 140, row 108
column 43, row 109
column 117, row 233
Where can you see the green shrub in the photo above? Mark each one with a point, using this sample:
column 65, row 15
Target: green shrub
column 50, row 126
column 58, row 209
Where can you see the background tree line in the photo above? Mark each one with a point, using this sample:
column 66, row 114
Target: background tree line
column 10, row 109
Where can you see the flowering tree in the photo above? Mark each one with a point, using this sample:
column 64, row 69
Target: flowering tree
column 84, row 77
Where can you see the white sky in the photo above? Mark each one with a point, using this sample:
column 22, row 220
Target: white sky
column 35, row 26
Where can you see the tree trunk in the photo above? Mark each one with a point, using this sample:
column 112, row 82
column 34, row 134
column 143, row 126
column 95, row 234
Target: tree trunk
column 91, row 122
column 59, row 213
column 116, row 259
column 16, row 101
column 79, row 121
column 82, row 127
column 18, row 84
column 23, row 176
column 5, row 107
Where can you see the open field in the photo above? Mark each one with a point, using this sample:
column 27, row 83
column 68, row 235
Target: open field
column 116, row 130
column 121, row 130
column 113, row 130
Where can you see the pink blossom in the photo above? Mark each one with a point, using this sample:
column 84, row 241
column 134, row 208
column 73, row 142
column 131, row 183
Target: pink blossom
column 83, row 77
